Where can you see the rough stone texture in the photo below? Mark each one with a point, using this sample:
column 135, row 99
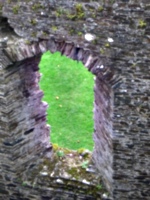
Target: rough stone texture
column 103, row 110
column 119, row 58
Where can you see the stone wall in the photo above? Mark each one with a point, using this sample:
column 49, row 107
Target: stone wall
column 103, row 114
column 118, row 55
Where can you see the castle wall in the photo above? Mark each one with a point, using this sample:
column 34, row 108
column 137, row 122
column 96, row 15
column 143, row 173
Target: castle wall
column 118, row 55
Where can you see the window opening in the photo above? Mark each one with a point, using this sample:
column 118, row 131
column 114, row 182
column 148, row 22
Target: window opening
column 68, row 90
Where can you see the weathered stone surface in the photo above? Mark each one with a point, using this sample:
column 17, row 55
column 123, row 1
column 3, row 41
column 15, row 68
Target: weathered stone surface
column 118, row 55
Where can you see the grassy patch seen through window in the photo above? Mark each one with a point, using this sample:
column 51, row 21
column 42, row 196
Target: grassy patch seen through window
column 68, row 89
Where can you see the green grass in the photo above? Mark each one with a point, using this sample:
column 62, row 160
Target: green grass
column 68, row 89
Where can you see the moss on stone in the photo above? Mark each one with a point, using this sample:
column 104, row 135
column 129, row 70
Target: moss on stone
column 44, row 33
column 54, row 28
column 1, row 6
column 81, row 150
column 16, row 9
column 107, row 45
column 80, row 33
column 102, row 51
column 79, row 11
column 33, row 34
column 71, row 16
column 59, row 12
column 55, row 146
column 77, row 14
column 142, row 24
column 27, row 42
column 100, row 8
column 36, row 6
column 33, row 22
column 72, row 31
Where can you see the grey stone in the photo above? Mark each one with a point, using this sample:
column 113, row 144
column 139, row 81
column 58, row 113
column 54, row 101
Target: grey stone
column 121, row 105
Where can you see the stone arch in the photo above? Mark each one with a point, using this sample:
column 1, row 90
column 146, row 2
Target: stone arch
column 22, row 62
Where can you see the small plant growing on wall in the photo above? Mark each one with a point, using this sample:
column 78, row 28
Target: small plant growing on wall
column 16, row 9
column 142, row 24
column 60, row 153
column 85, row 164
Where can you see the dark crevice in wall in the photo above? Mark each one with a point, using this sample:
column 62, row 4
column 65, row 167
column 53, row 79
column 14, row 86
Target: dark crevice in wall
column 5, row 26
column 29, row 131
